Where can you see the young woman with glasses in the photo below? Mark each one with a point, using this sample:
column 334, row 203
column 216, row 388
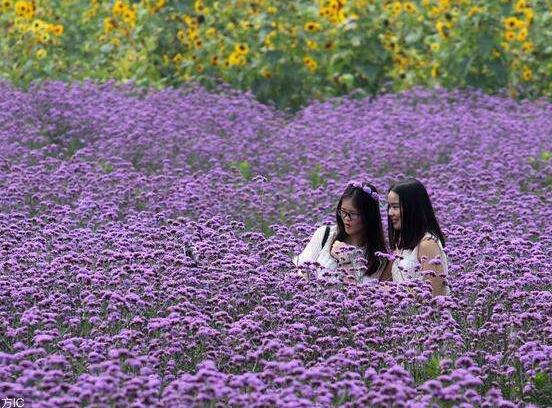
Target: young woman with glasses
column 352, row 243
column 415, row 236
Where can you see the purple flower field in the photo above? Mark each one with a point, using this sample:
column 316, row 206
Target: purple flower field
column 146, row 243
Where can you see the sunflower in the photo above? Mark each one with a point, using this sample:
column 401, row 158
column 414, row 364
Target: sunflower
column 474, row 10
column 396, row 7
column 527, row 47
column 311, row 26
column 211, row 32
column 108, row 25
column 268, row 39
column 118, row 8
column 129, row 17
column 37, row 25
column 312, row 45
column 325, row 12
column 509, row 36
column 241, row 60
column 241, row 49
column 527, row 74
column 520, row 6
column 186, row 19
column 511, row 23
column 24, row 9
column 58, row 29
column 177, row 59
column 522, row 35
column 310, row 63
column 441, row 28
column 20, row 8
column 410, row 7
column 41, row 53
column 233, row 59
column 199, row 7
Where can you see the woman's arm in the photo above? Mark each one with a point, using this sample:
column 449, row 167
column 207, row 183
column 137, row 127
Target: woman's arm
column 428, row 250
column 313, row 248
column 386, row 275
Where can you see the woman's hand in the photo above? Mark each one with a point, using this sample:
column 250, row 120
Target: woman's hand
column 341, row 252
column 349, row 276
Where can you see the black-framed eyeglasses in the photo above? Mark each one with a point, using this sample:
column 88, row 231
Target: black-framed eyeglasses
column 352, row 216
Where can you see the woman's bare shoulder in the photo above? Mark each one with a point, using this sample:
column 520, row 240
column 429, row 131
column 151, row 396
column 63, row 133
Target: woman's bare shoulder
column 428, row 247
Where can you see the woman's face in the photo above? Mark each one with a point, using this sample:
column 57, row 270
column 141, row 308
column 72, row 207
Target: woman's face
column 394, row 209
column 351, row 217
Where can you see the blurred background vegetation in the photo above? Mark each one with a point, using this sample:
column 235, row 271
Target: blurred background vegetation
column 284, row 52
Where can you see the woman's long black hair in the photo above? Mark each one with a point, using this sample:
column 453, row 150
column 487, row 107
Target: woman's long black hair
column 373, row 238
column 417, row 216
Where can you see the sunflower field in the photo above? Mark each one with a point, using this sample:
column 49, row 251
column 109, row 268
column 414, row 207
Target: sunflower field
column 284, row 52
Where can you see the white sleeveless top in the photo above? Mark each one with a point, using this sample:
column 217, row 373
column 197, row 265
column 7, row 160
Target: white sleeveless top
column 407, row 267
column 314, row 252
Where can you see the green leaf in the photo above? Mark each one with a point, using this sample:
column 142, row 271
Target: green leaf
column 464, row 66
column 28, row 65
column 371, row 71
column 375, row 48
column 315, row 178
column 273, row 56
column 540, row 379
column 244, row 168
column 341, row 56
column 485, row 44
column 432, row 368
column 500, row 71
